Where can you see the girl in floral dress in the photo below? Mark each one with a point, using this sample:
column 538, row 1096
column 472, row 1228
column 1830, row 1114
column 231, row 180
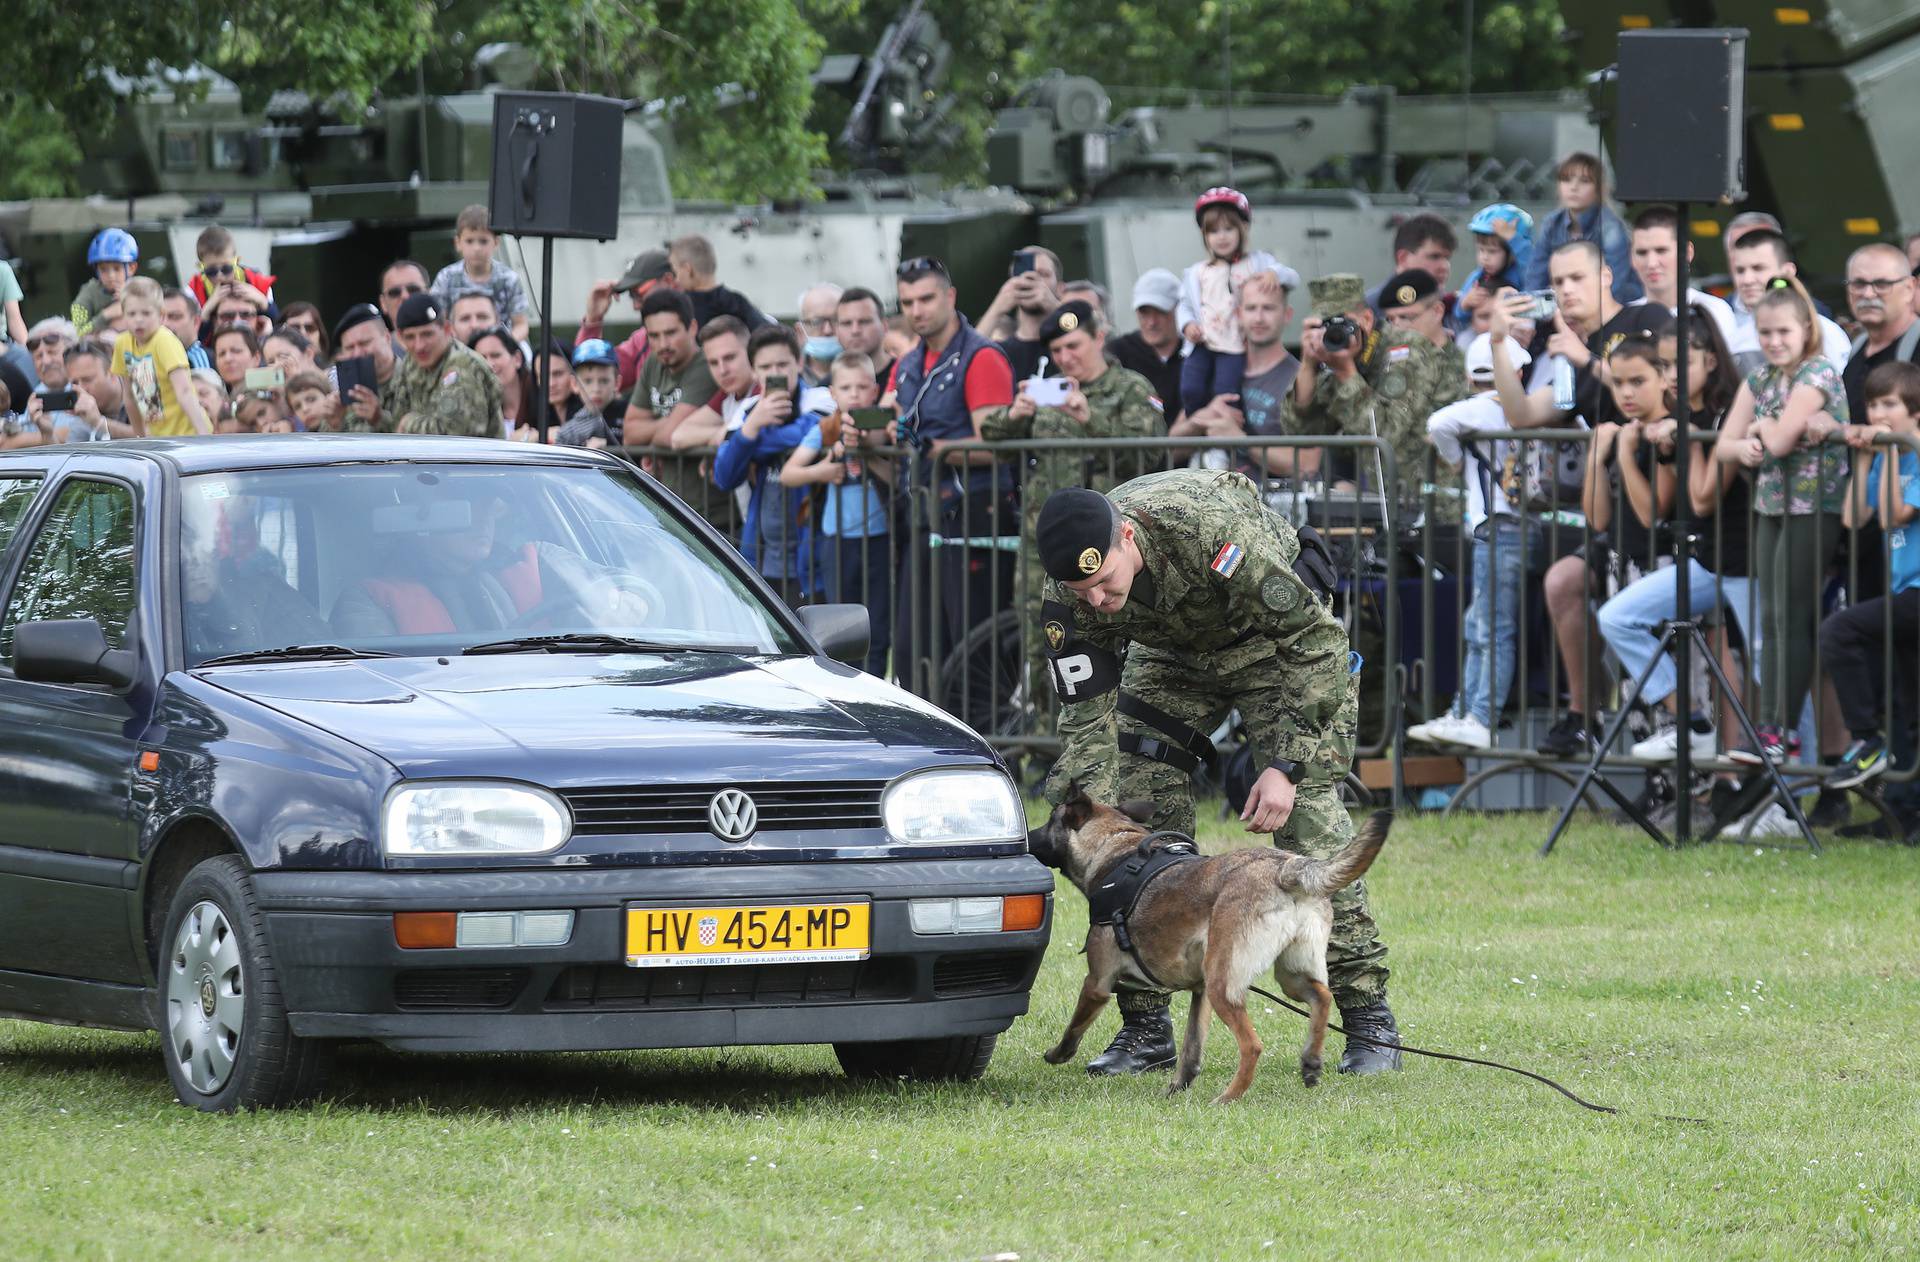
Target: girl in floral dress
column 1785, row 426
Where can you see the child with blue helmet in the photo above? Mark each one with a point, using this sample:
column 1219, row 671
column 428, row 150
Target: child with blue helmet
column 1503, row 246
column 114, row 256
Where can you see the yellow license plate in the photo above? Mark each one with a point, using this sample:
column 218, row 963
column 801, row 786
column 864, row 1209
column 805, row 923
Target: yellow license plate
column 799, row 933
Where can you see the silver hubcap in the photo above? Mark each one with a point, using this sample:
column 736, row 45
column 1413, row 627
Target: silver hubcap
column 206, row 998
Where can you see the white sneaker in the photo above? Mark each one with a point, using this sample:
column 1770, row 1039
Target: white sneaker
column 1665, row 746
column 1773, row 821
column 1428, row 733
column 1467, row 731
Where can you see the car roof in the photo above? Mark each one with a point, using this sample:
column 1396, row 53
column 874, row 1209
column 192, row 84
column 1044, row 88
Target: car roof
column 232, row 452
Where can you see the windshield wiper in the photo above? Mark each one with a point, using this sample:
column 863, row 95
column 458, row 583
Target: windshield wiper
column 292, row 653
column 594, row 642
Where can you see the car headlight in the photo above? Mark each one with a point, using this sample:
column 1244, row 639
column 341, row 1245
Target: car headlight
column 957, row 805
column 473, row 817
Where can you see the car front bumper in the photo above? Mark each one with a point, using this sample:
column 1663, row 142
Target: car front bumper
column 342, row 975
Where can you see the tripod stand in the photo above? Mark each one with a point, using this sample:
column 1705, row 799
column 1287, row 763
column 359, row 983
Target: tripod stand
column 1682, row 634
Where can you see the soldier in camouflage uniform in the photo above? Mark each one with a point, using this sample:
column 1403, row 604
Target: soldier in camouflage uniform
column 362, row 333
column 1215, row 601
column 1388, row 384
column 442, row 387
column 1107, row 402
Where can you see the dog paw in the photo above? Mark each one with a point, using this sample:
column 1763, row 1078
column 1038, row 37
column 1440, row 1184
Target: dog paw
column 1177, row 1086
column 1226, row 1097
column 1057, row 1055
column 1310, row 1070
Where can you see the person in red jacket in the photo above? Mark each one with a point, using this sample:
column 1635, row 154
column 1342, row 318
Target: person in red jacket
column 648, row 271
column 220, row 268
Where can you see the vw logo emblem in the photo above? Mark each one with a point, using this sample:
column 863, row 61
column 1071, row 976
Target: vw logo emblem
column 732, row 815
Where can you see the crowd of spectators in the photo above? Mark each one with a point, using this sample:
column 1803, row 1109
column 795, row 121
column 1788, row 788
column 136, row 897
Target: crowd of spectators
column 790, row 438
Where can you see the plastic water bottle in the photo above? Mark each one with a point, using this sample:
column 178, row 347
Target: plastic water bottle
column 1562, row 383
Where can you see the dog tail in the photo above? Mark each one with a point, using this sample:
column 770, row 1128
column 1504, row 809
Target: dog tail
column 1324, row 876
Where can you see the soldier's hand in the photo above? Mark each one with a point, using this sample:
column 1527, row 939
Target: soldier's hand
column 364, row 403
column 599, row 301
column 1313, row 347
column 1270, row 802
column 1022, row 406
column 1076, row 404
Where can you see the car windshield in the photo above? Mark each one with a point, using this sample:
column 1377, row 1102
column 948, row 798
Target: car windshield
column 421, row 560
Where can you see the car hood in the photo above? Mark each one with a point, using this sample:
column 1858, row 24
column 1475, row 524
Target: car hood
column 571, row 720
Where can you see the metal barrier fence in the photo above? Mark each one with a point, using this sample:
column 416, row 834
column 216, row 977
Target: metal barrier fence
column 954, row 585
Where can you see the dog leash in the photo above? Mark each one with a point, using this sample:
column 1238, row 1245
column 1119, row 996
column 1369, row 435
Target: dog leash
column 1475, row 1060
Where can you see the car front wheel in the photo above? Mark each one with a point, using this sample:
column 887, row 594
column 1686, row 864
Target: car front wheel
column 962, row 1058
column 223, row 1026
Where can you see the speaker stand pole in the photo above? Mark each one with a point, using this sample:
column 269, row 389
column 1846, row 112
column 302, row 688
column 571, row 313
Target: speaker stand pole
column 541, row 356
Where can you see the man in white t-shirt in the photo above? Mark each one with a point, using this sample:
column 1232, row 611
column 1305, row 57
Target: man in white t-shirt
column 1656, row 261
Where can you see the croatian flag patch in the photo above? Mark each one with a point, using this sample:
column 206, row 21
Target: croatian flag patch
column 1228, row 559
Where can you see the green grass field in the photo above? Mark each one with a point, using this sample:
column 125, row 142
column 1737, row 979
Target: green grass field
column 1774, row 993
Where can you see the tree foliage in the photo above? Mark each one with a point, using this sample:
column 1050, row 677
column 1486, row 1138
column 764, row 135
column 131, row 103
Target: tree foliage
column 735, row 76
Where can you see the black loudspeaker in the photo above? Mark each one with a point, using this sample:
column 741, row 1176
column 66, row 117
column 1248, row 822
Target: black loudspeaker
column 1682, row 117
column 556, row 165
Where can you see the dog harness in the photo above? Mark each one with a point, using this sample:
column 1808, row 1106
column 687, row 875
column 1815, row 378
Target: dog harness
column 1113, row 895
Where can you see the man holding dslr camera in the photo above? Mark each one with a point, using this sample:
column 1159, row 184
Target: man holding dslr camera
column 1366, row 380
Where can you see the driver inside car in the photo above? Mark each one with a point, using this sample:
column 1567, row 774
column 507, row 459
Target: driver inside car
column 236, row 598
column 449, row 575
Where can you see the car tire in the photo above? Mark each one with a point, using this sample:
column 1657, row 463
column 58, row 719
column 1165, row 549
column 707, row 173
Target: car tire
column 962, row 1058
column 223, row 1026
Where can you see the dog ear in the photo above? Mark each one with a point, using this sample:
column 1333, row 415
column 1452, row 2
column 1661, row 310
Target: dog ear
column 1140, row 810
column 1076, row 808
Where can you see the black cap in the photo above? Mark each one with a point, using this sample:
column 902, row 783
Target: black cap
column 1404, row 289
column 1067, row 317
column 1075, row 530
column 357, row 315
column 418, row 310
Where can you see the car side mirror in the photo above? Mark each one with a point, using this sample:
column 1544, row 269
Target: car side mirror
column 69, row 651
column 841, row 630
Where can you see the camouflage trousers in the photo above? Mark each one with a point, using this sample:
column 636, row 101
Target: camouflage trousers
column 1195, row 692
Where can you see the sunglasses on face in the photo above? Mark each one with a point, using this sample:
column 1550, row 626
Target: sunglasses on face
column 403, row 291
column 1880, row 286
column 50, row 339
column 219, row 269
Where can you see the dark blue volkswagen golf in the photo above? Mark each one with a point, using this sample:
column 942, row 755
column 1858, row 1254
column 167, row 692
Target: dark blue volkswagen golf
column 459, row 745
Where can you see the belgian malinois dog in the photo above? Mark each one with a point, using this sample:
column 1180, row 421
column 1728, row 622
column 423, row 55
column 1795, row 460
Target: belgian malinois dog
column 1207, row 926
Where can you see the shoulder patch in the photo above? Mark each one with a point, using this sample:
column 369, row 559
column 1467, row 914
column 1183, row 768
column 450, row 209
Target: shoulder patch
column 1153, row 401
column 1228, row 559
column 452, row 375
column 1277, row 594
column 1398, row 353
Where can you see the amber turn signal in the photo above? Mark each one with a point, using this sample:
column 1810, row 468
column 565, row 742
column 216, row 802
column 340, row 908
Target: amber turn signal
column 1022, row 911
column 423, row 930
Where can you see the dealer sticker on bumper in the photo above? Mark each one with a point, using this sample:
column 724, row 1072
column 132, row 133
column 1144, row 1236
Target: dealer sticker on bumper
column 811, row 933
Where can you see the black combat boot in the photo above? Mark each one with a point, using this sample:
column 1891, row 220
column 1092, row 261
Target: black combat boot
column 1145, row 1042
column 1370, row 1021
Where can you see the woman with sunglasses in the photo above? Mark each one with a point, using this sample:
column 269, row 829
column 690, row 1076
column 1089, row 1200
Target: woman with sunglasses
column 305, row 317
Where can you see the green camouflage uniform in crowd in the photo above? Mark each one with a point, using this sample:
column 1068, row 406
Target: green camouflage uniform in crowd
column 1403, row 380
column 1218, row 619
column 458, row 395
column 1120, row 404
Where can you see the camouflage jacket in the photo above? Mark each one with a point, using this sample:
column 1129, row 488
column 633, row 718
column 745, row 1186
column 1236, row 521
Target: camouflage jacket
column 1120, row 404
column 1218, row 587
column 458, row 395
column 1403, row 379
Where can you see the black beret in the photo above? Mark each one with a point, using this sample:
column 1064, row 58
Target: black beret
column 418, row 310
column 1408, row 287
column 357, row 315
column 1067, row 317
column 1074, row 532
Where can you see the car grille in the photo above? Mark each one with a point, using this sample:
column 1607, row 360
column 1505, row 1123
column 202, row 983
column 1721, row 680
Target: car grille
column 458, row 987
column 828, row 806
column 980, row 974
column 615, row 987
